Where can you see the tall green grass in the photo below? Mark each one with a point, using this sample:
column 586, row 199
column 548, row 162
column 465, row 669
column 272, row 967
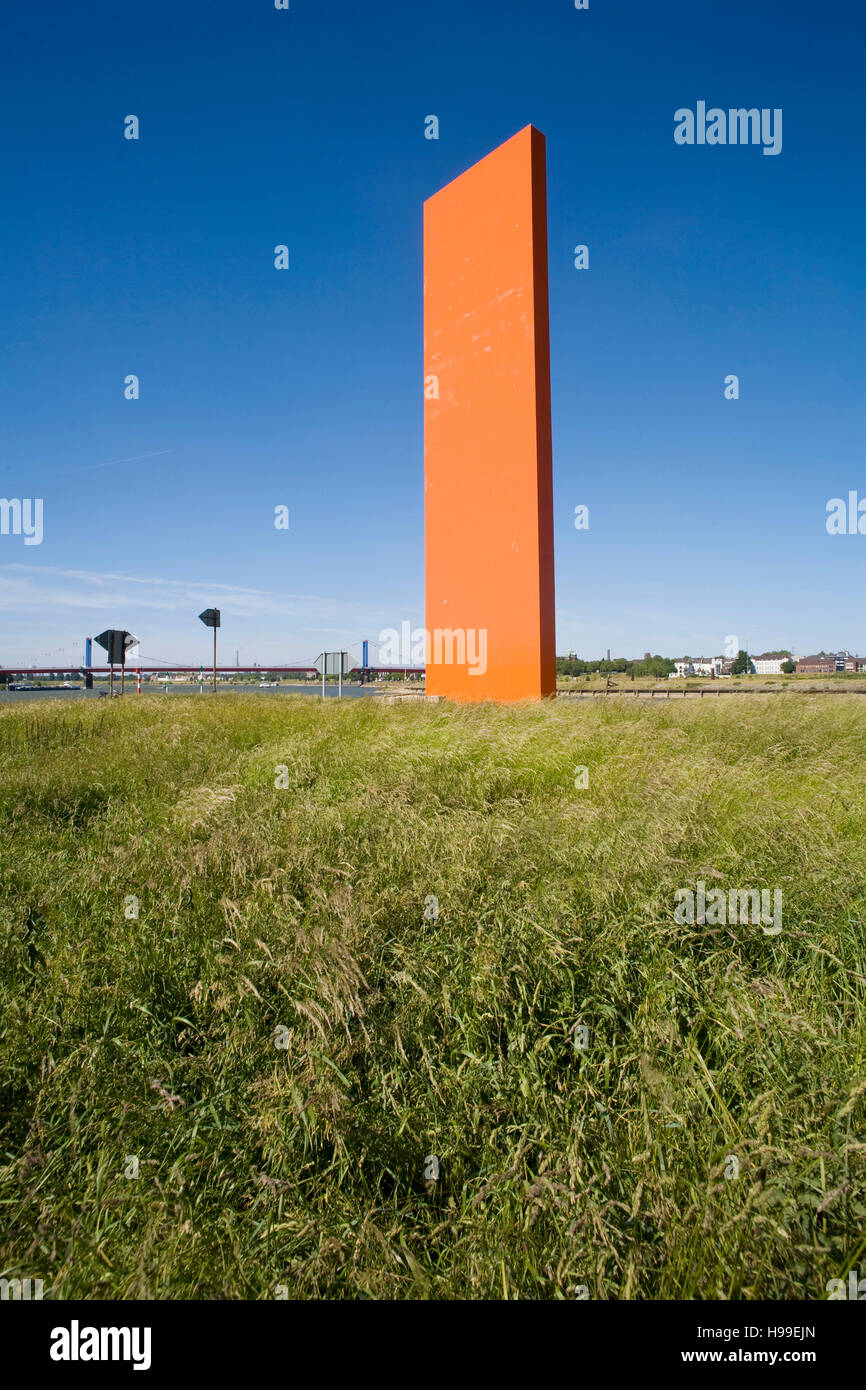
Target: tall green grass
column 304, row 915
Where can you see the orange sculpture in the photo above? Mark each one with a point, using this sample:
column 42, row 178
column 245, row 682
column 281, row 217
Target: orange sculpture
column 487, row 445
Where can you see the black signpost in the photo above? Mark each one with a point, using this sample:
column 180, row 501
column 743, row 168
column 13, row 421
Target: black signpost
column 211, row 618
column 116, row 642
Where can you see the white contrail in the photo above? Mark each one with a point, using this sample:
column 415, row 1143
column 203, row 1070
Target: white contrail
column 110, row 464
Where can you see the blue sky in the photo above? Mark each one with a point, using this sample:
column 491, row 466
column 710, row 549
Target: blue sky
column 304, row 387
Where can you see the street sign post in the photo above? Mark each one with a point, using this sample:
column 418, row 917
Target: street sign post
column 117, row 642
column 337, row 664
column 211, row 618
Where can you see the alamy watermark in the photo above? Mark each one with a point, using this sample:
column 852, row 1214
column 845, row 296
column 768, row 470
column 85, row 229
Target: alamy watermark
column 734, row 906
column 737, row 126
column 18, row 1290
column 445, row 646
column 856, row 1288
column 77, row 1343
column 846, row 518
column 22, row 516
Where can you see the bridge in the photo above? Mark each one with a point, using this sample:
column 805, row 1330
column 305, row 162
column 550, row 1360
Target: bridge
column 366, row 672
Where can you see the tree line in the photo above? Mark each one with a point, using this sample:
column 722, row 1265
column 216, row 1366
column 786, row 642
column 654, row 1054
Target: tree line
column 575, row 666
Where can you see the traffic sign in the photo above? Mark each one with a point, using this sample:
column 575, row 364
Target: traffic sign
column 334, row 665
column 211, row 618
column 117, row 643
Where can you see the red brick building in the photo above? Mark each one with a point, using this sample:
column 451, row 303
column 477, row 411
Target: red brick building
column 816, row 666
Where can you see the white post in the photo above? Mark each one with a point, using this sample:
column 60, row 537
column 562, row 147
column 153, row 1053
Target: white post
column 340, row 679
column 324, row 671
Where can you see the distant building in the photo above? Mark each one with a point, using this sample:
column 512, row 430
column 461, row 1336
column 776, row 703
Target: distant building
column 701, row 666
column 816, row 666
column 855, row 663
column 770, row 663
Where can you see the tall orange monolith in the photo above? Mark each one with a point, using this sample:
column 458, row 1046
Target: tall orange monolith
column 487, row 446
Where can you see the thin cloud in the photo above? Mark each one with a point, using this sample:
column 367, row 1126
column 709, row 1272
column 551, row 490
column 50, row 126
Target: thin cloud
column 25, row 588
column 111, row 463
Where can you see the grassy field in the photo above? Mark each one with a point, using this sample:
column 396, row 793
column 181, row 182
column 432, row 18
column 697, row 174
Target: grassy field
column 241, row 1091
column 843, row 682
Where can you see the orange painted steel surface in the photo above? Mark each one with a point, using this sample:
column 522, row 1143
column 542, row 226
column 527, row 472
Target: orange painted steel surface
column 487, row 444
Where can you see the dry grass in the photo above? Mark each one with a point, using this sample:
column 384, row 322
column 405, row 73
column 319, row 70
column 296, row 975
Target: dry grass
column 296, row 916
